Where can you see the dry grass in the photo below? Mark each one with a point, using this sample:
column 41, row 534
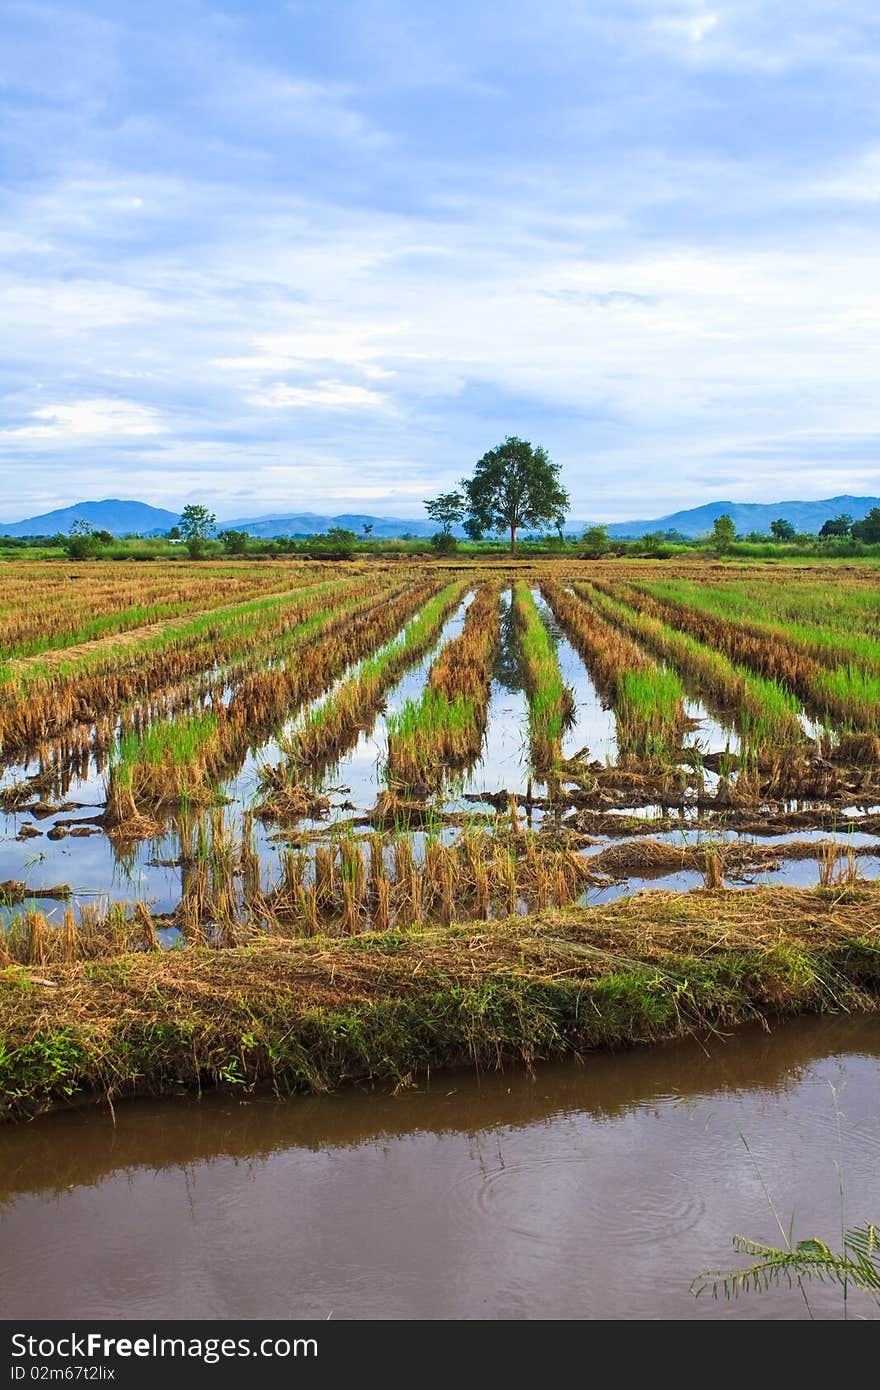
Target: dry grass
column 316, row 1013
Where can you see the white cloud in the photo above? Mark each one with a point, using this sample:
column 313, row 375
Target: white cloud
column 329, row 395
column 692, row 26
column 89, row 419
column 368, row 261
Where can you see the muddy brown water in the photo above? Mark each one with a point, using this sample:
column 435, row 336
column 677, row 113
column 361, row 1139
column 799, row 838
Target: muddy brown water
column 585, row 1191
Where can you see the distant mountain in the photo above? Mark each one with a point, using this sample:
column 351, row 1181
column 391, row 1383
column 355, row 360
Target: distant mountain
column 137, row 518
column 749, row 516
column 310, row 524
column 119, row 518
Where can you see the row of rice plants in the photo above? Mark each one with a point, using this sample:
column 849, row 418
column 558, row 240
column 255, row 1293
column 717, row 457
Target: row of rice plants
column 255, row 682
column 840, row 600
column 551, row 703
column 40, row 699
column 829, row 623
column 346, row 885
column 181, row 759
column 445, row 726
column 847, row 696
column 648, row 699
column 46, row 607
column 353, row 886
column 763, row 711
column 334, row 723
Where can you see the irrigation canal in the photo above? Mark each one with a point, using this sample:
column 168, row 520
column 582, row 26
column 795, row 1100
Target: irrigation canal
column 592, row 1191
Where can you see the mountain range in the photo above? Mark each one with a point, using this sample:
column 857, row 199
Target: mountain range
column 123, row 518
column 750, row 516
column 119, row 518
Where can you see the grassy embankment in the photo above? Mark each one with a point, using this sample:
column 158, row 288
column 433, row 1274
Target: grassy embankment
column 315, row 1014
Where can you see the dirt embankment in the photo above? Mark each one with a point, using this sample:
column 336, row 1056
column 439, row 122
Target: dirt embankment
column 317, row 1013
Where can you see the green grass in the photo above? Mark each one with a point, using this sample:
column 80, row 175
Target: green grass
column 371, row 676
column 550, row 700
column 763, row 711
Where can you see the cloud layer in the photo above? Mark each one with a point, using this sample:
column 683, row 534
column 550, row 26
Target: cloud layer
column 306, row 255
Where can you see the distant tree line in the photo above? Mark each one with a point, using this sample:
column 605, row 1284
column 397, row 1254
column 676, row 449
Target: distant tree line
column 514, row 488
column 597, row 540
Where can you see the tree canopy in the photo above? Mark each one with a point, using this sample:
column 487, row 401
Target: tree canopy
column 196, row 526
column 596, row 541
column 515, row 485
column 723, row 532
column 869, row 529
column 448, row 509
column 836, row 526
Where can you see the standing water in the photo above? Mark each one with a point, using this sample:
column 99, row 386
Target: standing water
column 592, row 1191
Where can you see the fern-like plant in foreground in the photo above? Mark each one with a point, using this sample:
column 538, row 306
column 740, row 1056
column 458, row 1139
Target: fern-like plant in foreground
column 856, row 1266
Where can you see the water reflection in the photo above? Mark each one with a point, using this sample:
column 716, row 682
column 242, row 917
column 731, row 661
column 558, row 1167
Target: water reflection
column 585, row 1191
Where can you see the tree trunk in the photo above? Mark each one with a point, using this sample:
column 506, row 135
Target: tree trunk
column 513, row 539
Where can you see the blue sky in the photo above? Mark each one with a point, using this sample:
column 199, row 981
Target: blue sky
column 322, row 255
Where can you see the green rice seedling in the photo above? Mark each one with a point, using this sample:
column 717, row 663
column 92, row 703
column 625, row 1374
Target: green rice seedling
column 333, row 724
column 551, row 703
column 843, row 691
column 444, row 728
column 764, row 711
column 648, row 698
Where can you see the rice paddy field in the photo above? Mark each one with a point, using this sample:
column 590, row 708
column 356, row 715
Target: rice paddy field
column 207, row 757
column 210, row 751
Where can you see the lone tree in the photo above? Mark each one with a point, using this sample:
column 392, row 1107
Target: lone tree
column 448, row 509
column 596, row 542
column 723, row 532
column 196, row 526
column 515, row 485
column 782, row 530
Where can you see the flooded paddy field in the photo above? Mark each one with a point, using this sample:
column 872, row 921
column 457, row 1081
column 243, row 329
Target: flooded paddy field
column 350, row 751
column 446, row 841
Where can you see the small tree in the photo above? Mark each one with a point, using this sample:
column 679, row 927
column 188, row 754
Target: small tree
column 596, row 542
column 335, row 544
column 83, row 543
column 444, row 542
column 782, row 530
column 234, row 542
column 448, row 509
column 869, row 529
column 515, row 485
column 723, row 533
column 368, row 530
column 836, row 526
column 196, row 526
column 472, row 528
column 651, row 541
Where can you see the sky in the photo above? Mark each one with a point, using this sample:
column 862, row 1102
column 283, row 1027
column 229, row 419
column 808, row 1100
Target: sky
column 322, row 256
